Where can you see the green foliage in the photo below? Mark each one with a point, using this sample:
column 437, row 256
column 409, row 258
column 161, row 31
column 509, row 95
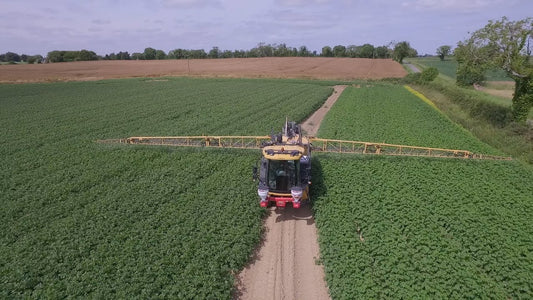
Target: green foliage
column 85, row 220
column 339, row 51
column 367, row 51
column 478, row 107
column 417, row 228
column 136, row 56
column 467, row 75
column 501, row 44
column 149, row 53
column 10, row 56
column 327, row 52
column 471, row 67
column 214, row 53
column 87, row 55
column 403, row 50
column 160, row 54
column 523, row 103
column 448, row 67
column 119, row 56
column 487, row 117
column 382, row 52
column 391, row 114
column 443, row 51
column 68, row 56
column 428, row 74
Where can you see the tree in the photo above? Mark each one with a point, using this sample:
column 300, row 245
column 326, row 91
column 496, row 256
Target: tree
column 303, row 51
column 367, row 51
column 281, row 50
column 403, row 50
column 149, row 53
column 55, row 56
column 339, row 51
column 136, row 56
column 227, row 54
column 471, row 69
column 86, row 55
column 353, row 51
column 11, row 56
column 35, row 59
column 503, row 45
column 264, row 50
column 38, row 58
column 177, row 54
column 382, row 52
column 160, row 54
column 327, row 52
column 443, row 51
column 214, row 53
column 123, row 55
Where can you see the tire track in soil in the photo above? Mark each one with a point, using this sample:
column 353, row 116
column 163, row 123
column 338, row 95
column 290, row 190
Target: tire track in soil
column 312, row 124
column 284, row 266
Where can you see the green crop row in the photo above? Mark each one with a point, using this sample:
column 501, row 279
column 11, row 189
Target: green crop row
column 424, row 228
column 392, row 114
column 86, row 220
column 419, row 228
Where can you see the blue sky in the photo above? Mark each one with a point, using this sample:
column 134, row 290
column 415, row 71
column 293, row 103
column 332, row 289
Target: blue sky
column 105, row 26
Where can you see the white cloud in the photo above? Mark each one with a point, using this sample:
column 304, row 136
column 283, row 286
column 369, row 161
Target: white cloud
column 101, row 22
column 457, row 5
column 301, row 2
column 190, row 3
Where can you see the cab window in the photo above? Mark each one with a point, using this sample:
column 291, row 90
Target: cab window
column 283, row 174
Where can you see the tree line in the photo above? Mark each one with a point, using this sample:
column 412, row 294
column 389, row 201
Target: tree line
column 272, row 50
column 397, row 52
column 12, row 57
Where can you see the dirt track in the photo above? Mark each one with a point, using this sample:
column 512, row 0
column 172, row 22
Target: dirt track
column 285, row 266
column 311, row 125
column 272, row 67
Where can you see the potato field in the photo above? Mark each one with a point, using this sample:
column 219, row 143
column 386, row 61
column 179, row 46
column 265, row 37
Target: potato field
column 393, row 227
column 88, row 220
column 81, row 219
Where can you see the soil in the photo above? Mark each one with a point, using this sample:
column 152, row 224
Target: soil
column 286, row 265
column 311, row 125
column 270, row 67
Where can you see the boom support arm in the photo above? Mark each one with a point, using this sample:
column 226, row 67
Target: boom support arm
column 317, row 145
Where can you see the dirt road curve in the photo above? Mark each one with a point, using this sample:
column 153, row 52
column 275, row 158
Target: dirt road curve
column 275, row 67
column 285, row 266
column 311, row 125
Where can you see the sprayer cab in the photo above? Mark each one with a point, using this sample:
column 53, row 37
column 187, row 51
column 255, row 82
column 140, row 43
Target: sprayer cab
column 285, row 168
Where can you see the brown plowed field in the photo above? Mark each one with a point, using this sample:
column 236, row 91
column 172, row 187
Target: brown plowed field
column 271, row 67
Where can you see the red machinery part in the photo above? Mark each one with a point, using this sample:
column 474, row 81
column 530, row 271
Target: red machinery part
column 281, row 201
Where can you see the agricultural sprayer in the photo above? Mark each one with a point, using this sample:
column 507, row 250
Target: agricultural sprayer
column 284, row 172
